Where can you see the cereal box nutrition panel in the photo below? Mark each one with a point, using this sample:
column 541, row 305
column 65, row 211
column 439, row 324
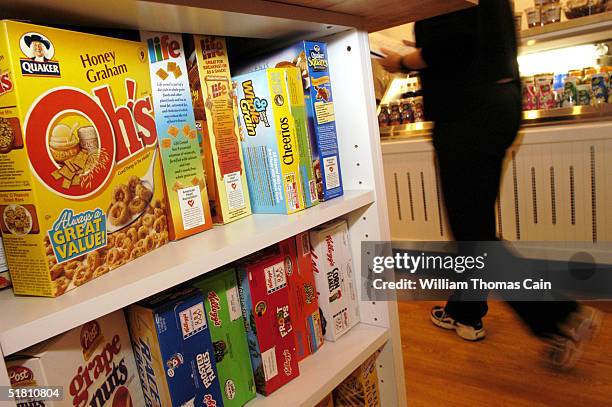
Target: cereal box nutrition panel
column 311, row 58
column 176, row 129
column 270, row 145
column 93, row 363
column 215, row 107
column 81, row 187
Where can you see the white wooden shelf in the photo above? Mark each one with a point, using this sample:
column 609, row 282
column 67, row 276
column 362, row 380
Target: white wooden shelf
column 322, row 372
column 25, row 321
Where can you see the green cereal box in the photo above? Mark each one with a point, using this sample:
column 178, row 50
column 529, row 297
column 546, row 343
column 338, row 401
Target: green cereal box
column 228, row 334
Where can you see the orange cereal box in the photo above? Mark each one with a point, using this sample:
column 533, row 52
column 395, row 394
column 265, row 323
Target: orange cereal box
column 81, row 187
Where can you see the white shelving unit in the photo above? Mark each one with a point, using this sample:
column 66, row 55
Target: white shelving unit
column 25, row 321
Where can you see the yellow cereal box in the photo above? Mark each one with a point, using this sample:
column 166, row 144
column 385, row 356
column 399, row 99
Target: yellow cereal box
column 215, row 108
column 81, row 188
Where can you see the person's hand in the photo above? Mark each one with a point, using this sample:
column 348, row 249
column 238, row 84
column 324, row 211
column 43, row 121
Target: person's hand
column 392, row 61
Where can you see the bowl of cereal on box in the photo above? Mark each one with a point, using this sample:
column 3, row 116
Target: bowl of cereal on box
column 17, row 219
column 7, row 135
column 64, row 143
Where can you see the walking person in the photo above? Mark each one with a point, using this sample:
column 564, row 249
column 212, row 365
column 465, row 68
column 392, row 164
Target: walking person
column 471, row 87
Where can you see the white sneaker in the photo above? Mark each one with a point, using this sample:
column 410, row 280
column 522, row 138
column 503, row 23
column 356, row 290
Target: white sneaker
column 441, row 319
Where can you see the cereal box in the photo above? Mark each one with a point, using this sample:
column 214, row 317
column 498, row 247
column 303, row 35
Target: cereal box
column 265, row 302
column 360, row 389
column 328, row 401
column 226, row 323
column 93, row 363
column 302, row 295
column 215, row 106
column 311, row 58
column 334, row 277
column 81, row 187
column 5, row 278
column 173, row 350
column 270, row 145
column 186, row 192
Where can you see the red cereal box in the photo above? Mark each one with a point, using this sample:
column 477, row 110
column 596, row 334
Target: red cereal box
column 264, row 295
column 302, row 295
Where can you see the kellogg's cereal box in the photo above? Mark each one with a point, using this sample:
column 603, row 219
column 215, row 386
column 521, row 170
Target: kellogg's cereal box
column 270, row 144
column 93, row 363
column 360, row 389
column 335, row 278
column 216, row 110
column 265, row 302
column 81, row 187
column 227, row 331
column 173, row 350
column 311, row 58
column 186, row 192
column 302, row 295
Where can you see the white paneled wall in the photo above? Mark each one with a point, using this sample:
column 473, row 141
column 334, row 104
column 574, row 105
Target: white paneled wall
column 556, row 185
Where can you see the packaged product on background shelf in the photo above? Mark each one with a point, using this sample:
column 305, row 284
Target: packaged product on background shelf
column 226, row 324
column 334, row 277
column 186, row 193
column 529, row 93
column 81, row 185
column 173, row 349
column 264, row 297
column 328, row 401
column 302, row 295
column 93, row 363
column 300, row 117
column 216, row 112
column 269, row 142
column 546, row 96
column 311, row 58
column 5, row 278
column 360, row 389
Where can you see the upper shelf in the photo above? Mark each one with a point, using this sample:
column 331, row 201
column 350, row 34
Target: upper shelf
column 238, row 18
column 25, row 321
column 597, row 27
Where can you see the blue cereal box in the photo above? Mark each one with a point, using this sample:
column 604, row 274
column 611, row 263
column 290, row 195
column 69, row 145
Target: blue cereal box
column 173, row 350
column 269, row 142
column 311, row 58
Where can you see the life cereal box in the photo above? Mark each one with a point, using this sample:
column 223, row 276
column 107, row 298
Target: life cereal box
column 265, row 302
column 311, row 58
column 302, row 295
column 335, row 279
column 222, row 302
column 186, row 191
column 215, row 106
column 81, row 187
column 360, row 389
column 93, row 364
column 270, row 145
column 173, row 350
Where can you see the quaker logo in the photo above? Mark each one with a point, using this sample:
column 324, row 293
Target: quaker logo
column 253, row 109
column 39, row 52
column 316, row 59
column 21, row 376
column 91, row 335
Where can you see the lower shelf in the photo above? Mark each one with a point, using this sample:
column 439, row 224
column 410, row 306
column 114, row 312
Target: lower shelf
column 323, row 371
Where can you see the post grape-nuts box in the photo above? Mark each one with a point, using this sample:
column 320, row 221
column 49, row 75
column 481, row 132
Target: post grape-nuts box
column 173, row 350
column 186, row 191
column 226, row 325
column 311, row 58
column 335, row 279
column 81, row 186
column 302, row 294
column 265, row 302
column 269, row 142
column 93, row 363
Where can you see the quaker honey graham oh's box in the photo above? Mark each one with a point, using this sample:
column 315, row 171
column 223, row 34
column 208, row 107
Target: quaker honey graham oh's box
column 176, row 129
column 81, row 187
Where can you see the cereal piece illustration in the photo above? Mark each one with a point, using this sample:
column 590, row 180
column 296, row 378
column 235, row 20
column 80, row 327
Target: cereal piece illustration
column 173, row 131
column 177, row 72
column 162, row 74
column 166, row 143
column 171, row 66
column 186, row 129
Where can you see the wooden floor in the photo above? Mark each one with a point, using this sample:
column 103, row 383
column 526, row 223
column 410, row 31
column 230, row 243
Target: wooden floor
column 505, row 369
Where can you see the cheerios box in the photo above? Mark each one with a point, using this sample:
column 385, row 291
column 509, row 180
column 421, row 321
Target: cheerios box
column 186, row 191
column 311, row 58
column 226, row 324
column 264, row 295
column 93, row 364
column 173, row 350
column 269, row 142
column 81, row 186
column 216, row 111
